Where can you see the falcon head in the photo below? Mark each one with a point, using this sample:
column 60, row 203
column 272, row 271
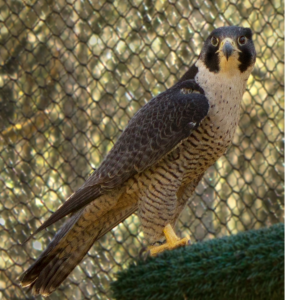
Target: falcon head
column 229, row 49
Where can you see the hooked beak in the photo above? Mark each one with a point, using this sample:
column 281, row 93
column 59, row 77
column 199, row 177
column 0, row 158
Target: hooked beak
column 228, row 50
column 228, row 46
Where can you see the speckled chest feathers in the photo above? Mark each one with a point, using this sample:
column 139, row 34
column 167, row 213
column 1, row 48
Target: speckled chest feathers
column 171, row 182
column 212, row 138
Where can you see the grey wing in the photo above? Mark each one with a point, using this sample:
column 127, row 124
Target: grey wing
column 154, row 131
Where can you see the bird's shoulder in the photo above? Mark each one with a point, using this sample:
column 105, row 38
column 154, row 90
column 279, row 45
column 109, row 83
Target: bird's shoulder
column 156, row 129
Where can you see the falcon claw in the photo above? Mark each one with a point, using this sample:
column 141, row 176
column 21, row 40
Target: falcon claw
column 172, row 241
column 144, row 253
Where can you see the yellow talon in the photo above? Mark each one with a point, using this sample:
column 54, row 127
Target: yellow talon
column 172, row 241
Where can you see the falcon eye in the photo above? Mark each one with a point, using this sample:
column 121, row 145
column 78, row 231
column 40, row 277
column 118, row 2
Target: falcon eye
column 242, row 40
column 214, row 41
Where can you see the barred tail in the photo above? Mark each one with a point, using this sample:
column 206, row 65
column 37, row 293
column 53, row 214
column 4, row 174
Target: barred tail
column 68, row 248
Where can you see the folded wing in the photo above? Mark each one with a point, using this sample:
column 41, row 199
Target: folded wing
column 154, row 131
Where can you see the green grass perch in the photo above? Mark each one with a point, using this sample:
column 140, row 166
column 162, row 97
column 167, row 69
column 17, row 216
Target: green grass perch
column 246, row 266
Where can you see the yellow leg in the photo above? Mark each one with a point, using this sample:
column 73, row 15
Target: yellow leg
column 172, row 241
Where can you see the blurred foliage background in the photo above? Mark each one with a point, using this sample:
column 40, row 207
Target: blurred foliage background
column 72, row 74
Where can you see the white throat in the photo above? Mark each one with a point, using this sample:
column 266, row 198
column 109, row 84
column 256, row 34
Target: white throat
column 229, row 84
column 224, row 90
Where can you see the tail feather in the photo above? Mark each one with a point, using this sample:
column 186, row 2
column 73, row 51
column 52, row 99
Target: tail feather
column 58, row 269
column 48, row 254
column 127, row 212
column 74, row 203
column 42, row 284
column 68, row 248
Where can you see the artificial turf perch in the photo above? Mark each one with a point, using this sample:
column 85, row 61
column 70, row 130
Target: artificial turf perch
column 245, row 266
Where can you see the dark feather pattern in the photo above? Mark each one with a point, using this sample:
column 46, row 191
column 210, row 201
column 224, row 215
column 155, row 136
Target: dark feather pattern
column 31, row 274
column 154, row 131
column 59, row 259
column 76, row 201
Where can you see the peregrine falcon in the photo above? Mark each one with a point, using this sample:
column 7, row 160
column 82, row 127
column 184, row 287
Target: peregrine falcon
column 157, row 161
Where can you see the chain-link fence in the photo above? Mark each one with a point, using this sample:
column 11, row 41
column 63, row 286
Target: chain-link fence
column 72, row 74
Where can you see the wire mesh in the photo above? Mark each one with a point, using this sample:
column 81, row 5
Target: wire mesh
column 72, row 74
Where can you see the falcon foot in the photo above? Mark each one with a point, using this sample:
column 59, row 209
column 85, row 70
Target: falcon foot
column 172, row 241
